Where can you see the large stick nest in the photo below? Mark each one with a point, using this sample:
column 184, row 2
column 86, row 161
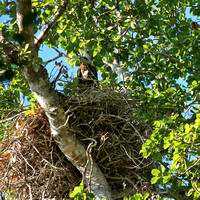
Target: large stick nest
column 32, row 166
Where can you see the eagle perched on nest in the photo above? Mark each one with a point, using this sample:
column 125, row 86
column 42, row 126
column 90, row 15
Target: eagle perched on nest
column 87, row 74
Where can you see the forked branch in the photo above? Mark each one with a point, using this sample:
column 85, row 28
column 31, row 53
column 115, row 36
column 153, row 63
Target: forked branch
column 44, row 33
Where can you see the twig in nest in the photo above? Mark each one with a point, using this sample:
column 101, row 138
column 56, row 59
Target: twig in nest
column 89, row 159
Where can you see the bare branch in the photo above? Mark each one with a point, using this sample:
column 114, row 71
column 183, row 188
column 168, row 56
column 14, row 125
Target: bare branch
column 11, row 118
column 196, row 163
column 53, row 83
column 51, row 60
column 61, row 9
column 61, row 54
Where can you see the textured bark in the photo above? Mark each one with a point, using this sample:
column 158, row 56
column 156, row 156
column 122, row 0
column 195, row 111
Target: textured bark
column 51, row 103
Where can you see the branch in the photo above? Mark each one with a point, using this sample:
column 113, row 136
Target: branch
column 123, row 32
column 191, row 104
column 196, row 163
column 43, row 35
column 10, row 50
column 53, row 83
column 11, row 118
column 117, row 69
column 61, row 54
column 170, row 57
column 51, row 60
column 104, row 13
column 24, row 9
column 170, row 195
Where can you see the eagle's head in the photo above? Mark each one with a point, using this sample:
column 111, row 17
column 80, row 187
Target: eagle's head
column 84, row 60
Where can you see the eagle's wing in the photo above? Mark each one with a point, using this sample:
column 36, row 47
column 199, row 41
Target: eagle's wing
column 93, row 71
column 79, row 76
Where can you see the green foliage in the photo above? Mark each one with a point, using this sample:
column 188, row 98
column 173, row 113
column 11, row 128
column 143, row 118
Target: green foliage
column 79, row 193
column 12, row 94
column 160, row 49
column 137, row 197
column 177, row 144
column 6, row 75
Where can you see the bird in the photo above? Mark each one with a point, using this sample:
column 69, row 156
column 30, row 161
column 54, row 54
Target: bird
column 87, row 74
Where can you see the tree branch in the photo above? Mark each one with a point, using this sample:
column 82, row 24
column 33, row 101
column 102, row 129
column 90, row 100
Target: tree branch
column 117, row 69
column 43, row 35
column 24, row 9
column 51, row 60
column 170, row 57
column 61, row 54
column 10, row 50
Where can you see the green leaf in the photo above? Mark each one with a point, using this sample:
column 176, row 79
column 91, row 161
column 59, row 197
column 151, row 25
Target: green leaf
column 156, row 156
column 90, row 195
column 166, row 178
column 161, row 169
column 2, row 25
column 167, row 143
column 63, row 39
column 146, row 195
column 194, row 83
column 29, row 112
column 138, row 197
column 176, row 157
column 191, row 191
column 146, row 2
column 35, row 67
column 26, row 47
column 155, row 180
column 60, row 84
column 95, row 53
column 155, row 172
column 77, row 191
column 37, row 60
column 59, row 31
column 73, row 39
column 154, row 7
column 110, row 27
